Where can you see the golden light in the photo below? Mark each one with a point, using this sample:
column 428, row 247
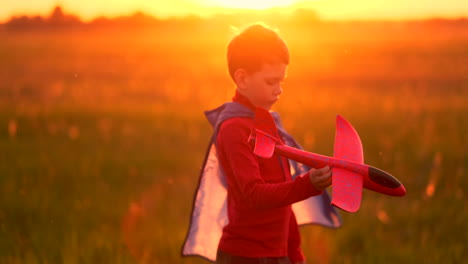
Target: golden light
column 383, row 216
column 430, row 189
column 12, row 128
column 252, row 4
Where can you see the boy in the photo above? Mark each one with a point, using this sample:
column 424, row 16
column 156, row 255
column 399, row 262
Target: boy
column 261, row 226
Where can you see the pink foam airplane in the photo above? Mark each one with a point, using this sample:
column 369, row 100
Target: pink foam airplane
column 349, row 173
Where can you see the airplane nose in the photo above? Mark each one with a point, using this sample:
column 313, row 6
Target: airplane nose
column 383, row 178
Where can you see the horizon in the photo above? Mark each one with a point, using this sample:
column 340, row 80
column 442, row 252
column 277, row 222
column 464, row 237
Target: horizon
column 325, row 9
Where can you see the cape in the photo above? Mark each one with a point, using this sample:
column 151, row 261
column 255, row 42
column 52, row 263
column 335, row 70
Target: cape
column 209, row 211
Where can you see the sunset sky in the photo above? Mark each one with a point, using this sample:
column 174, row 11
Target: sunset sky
column 327, row 9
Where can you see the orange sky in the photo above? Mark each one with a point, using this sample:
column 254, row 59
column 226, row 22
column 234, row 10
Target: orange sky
column 327, row 9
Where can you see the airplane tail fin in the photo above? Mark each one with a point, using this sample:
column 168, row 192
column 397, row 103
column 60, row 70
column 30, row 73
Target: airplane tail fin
column 265, row 136
column 347, row 185
column 264, row 144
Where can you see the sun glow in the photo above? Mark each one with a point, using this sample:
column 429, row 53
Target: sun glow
column 252, row 4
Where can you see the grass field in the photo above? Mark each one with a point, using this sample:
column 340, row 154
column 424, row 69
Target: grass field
column 92, row 120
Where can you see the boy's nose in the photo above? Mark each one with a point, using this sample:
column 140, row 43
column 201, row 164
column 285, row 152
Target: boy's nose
column 278, row 91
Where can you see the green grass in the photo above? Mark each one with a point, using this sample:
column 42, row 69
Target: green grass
column 63, row 198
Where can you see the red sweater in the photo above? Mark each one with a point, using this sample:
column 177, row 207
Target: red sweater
column 260, row 194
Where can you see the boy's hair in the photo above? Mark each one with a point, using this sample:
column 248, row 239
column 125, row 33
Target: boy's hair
column 255, row 46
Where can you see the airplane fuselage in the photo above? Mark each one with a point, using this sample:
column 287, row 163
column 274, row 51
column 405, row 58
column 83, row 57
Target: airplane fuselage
column 374, row 179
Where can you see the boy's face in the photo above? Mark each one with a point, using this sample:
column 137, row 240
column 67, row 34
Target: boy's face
column 263, row 87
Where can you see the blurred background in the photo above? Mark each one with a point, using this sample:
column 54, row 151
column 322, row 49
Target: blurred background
column 101, row 105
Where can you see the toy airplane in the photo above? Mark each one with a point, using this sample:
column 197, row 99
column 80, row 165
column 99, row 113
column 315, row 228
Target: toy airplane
column 349, row 173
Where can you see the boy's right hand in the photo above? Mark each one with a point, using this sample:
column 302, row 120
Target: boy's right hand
column 321, row 178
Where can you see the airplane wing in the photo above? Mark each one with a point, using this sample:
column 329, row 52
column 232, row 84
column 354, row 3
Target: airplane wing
column 347, row 185
column 346, row 190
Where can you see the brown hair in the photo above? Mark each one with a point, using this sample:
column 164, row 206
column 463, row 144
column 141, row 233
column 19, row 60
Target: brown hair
column 255, row 46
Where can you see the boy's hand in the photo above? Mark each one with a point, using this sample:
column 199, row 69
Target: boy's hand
column 321, row 178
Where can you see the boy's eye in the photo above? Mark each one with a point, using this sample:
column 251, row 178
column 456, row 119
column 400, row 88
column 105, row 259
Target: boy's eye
column 274, row 82
column 271, row 82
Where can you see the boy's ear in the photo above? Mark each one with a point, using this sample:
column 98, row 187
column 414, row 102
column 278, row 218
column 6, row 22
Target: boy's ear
column 240, row 76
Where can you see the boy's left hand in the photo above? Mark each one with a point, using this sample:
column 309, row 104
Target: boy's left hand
column 321, row 178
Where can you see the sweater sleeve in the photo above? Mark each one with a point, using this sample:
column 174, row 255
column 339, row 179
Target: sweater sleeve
column 232, row 141
column 294, row 241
